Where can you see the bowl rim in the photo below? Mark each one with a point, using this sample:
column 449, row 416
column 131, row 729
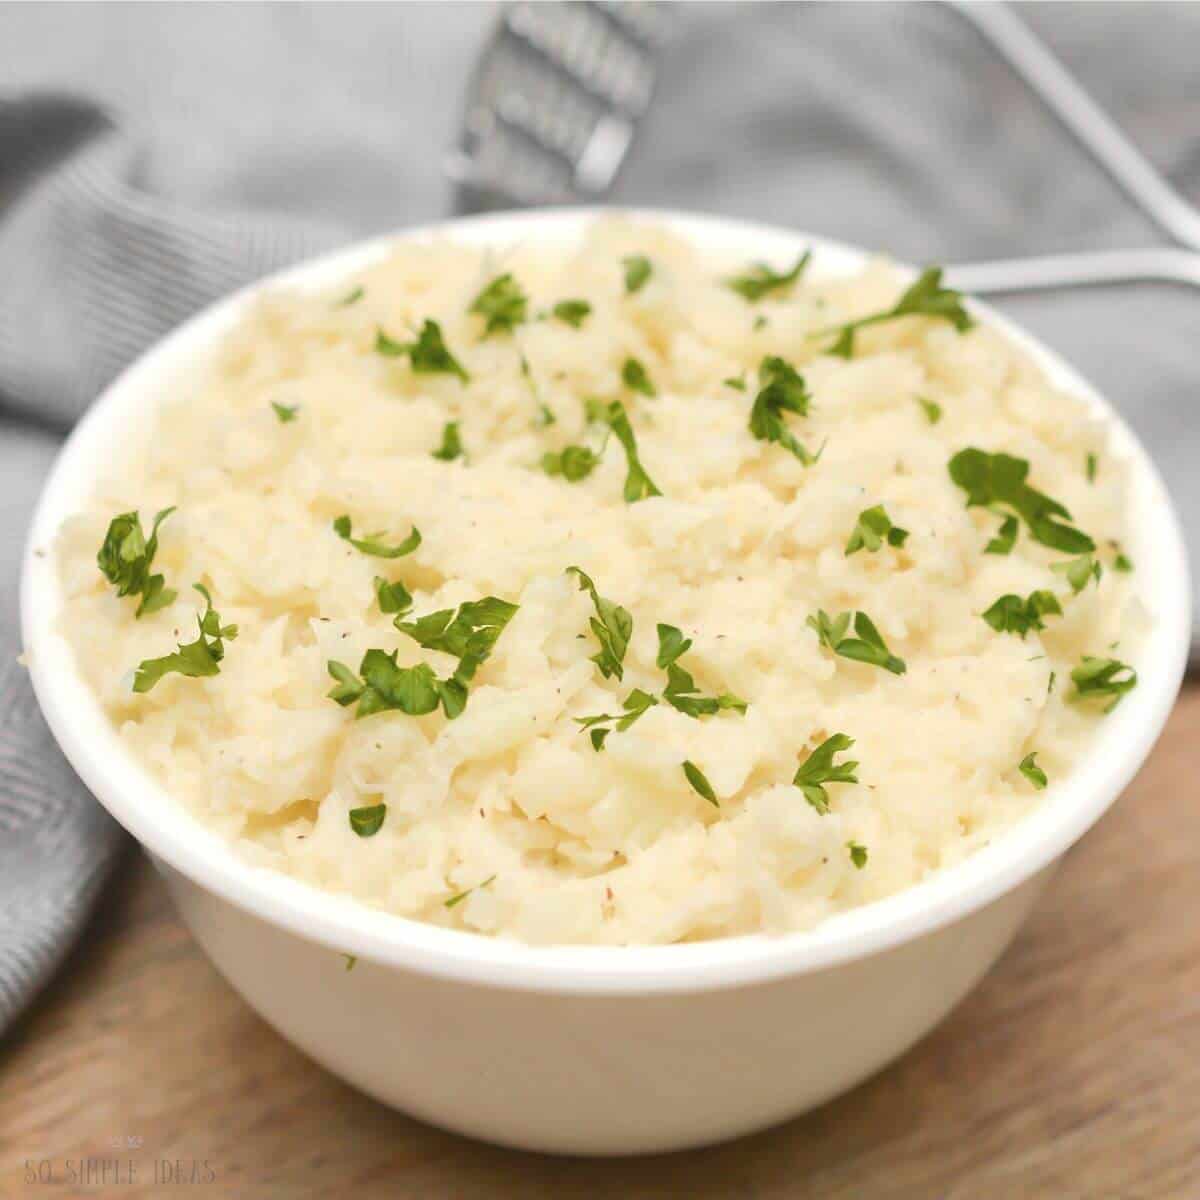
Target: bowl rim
column 173, row 836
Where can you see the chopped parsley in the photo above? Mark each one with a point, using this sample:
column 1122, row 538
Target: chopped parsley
column 469, row 632
column 125, row 558
column 461, row 896
column 427, row 354
column 368, row 821
column 572, row 312
column 681, row 691
column 638, row 485
column 599, row 727
column 1005, row 539
column 451, row 447
column 612, row 626
column 925, row 298
column 502, row 304
column 371, row 544
column 193, row 659
column 819, row 769
column 285, row 412
column 1103, row 677
column 1122, row 563
column 638, row 270
column 573, row 463
column 1011, row 614
column 868, row 647
column 1090, row 466
column 932, row 411
column 352, row 297
column 872, row 529
column 700, row 783
column 384, row 685
column 392, row 597
column 1078, row 571
column 545, row 414
column 1032, row 771
column 781, row 389
column 858, row 854
column 636, row 379
column 736, row 382
column 998, row 481
column 760, row 279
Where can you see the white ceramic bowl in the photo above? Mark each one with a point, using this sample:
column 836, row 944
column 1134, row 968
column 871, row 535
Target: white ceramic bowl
column 591, row 1049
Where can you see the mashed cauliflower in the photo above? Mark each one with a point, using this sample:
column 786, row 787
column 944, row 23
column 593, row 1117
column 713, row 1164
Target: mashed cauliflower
column 631, row 433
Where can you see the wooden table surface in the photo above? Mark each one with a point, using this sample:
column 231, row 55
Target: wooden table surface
column 1073, row 1070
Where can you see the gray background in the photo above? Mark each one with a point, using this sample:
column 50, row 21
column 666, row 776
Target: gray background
column 232, row 138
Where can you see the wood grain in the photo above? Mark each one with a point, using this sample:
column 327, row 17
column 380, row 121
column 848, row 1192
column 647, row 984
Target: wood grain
column 1072, row 1072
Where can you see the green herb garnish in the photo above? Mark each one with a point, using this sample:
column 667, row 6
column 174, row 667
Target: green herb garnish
column 761, row 279
column 868, row 647
column 1103, row 677
column 638, row 270
column 427, row 354
column 925, row 298
column 451, row 447
column 1011, row 614
column 699, row 783
column 681, row 691
column 384, row 686
column 781, row 389
column 368, row 821
column 1078, row 571
column 872, row 529
column 502, row 304
column 371, row 544
column 193, row 659
column 285, row 412
column 638, row 485
column 573, row 463
column 352, row 297
column 635, row 378
column 997, row 481
column 1122, row 563
column 599, row 727
column 1090, row 464
column 1032, row 771
column 125, row 557
column 572, row 312
column 1005, row 539
column 736, row 382
column 858, row 854
column 461, row 896
column 612, row 626
column 819, row 769
column 932, row 411
column 392, row 597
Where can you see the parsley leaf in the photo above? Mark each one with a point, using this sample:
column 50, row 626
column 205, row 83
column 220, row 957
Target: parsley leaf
column 1090, row 465
column 998, row 481
column 638, row 270
column 925, row 298
column 573, row 463
column 1078, row 571
column 285, row 412
column 932, row 411
column 700, row 783
column 1122, row 563
column 428, row 354
column 635, row 705
column 819, row 769
column 874, row 526
column 572, row 312
column 368, row 820
column 386, row 686
column 461, row 896
column 125, row 557
column 760, row 279
column 858, row 854
column 638, row 485
column 451, row 447
column 392, row 597
column 352, row 297
column 868, row 647
column 736, row 382
column 469, row 632
column 1011, row 614
column 1103, row 677
column 371, row 545
column 1032, row 771
column 193, row 659
column 635, row 378
column 612, row 625
column 502, row 304
column 1005, row 539
column 681, row 692
column 782, row 389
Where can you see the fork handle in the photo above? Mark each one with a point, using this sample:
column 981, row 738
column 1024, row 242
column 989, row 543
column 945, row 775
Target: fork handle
column 1088, row 269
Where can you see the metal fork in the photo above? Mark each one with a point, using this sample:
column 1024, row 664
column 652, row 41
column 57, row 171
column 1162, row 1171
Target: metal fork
column 554, row 101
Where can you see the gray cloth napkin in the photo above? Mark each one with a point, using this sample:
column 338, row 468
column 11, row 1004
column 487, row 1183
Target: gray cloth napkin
column 154, row 157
